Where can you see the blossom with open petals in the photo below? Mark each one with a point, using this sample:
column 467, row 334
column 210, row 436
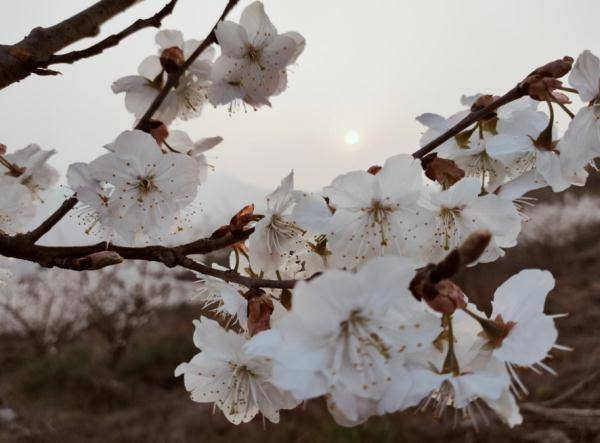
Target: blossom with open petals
column 186, row 100
column 225, row 374
column 149, row 189
column 254, row 59
column 451, row 215
column 29, row 167
column 344, row 335
column 277, row 235
column 375, row 214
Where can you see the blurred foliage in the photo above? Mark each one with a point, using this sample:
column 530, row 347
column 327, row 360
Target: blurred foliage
column 154, row 361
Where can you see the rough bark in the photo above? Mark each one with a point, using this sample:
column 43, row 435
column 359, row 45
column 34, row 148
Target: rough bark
column 18, row 61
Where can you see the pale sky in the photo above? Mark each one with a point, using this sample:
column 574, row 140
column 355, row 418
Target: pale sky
column 369, row 66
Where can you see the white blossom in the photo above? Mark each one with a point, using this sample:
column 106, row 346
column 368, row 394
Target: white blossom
column 344, row 334
column 472, row 375
column 91, row 195
column 469, row 149
column 16, row 208
column 581, row 142
column 186, row 100
column 518, row 148
column 452, row 214
column 223, row 298
column 32, row 169
column 277, row 235
column 524, row 334
column 374, row 214
column 149, row 188
column 237, row 381
column 254, row 59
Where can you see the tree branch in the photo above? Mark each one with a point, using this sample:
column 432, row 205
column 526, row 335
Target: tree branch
column 111, row 41
column 173, row 78
column 234, row 277
column 22, row 247
column 512, row 95
column 18, row 61
column 52, row 220
column 538, row 85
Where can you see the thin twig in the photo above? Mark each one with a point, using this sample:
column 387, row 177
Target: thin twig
column 52, row 220
column 572, row 391
column 173, row 78
column 111, row 41
column 512, row 95
column 234, row 277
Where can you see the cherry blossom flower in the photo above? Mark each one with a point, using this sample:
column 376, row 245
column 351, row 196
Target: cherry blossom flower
column 235, row 380
column 254, row 59
column 92, row 197
column 28, row 166
column 277, row 235
column 186, row 100
column 343, row 333
column 518, row 331
column 223, row 298
column 459, row 372
column 469, row 148
column 521, row 147
column 16, row 208
column 149, row 188
column 374, row 214
column 452, row 214
column 581, row 142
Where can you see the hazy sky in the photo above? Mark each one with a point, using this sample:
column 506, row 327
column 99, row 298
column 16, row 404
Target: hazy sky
column 369, row 66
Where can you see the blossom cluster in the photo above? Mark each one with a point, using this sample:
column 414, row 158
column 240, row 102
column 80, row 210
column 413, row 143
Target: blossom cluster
column 353, row 330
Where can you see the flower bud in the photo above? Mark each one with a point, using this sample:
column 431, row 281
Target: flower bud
column 539, row 87
column 97, row 260
column 158, row 130
column 555, row 69
column 374, row 169
column 449, row 298
column 260, row 308
column 172, row 59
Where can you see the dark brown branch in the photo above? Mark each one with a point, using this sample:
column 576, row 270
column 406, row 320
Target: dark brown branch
column 52, row 220
column 111, row 41
column 173, row 79
column 18, row 61
column 20, row 246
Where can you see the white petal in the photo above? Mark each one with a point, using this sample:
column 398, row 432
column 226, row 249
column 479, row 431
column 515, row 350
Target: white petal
column 232, row 38
column 168, row 38
column 585, row 76
column 257, row 24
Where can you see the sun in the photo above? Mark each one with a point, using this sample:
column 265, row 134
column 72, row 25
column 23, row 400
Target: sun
column 351, row 137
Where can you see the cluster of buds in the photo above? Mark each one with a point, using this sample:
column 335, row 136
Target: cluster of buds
column 541, row 84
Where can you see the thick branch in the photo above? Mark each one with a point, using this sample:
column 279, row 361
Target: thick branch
column 21, row 247
column 111, row 41
column 18, row 61
column 173, row 79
